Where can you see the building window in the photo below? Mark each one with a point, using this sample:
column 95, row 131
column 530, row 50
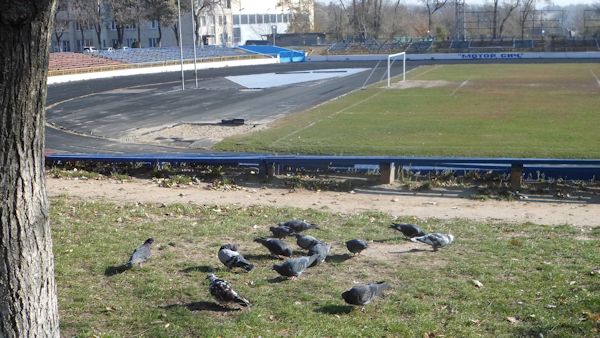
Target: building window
column 279, row 17
column 286, row 18
column 237, row 35
column 220, row 20
column 130, row 42
column 259, row 18
column 273, row 18
column 203, row 20
column 115, row 43
column 152, row 42
column 267, row 18
column 153, row 24
column 66, row 45
column 113, row 26
column 130, row 26
column 236, row 19
column 225, row 20
column 228, row 4
column 244, row 19
column 252, row 19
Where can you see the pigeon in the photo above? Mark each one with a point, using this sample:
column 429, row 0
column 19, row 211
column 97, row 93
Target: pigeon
column 436, row 240
column 408, row 230
column 294, row 267
column 321, row 249
column 363, row 294
column 277, row 247
column 356, row 245
column 140, row 254
column 305, row 241
column 281, row 231
column 223, row 293
column 229, row 256
column 298, row 225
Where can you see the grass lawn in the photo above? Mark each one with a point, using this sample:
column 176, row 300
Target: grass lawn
column 536, row 279
column 522, row 110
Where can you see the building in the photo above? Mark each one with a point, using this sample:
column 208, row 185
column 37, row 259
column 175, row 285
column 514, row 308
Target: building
column 230, row 23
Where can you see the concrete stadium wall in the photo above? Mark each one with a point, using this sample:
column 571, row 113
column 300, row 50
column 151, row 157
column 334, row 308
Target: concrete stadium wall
column 461, row 56
column 154, row 70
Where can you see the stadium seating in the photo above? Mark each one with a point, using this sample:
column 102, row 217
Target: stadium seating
column 68, row 61
column 154, row 55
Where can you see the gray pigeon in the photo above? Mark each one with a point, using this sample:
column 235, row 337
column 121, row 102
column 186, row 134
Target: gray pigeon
column 277, row 247
column 408, row 230
column 363, row 294
column 298, row 225
column 233, row 259
column 356, row 246
column 140, row 254
column 294, row 267
column 305, row 241
column 223, row 293
column 436, row 240
column 321, row 249
column 281, row 231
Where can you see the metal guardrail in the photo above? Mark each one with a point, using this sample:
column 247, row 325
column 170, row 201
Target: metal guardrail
column 273, row 164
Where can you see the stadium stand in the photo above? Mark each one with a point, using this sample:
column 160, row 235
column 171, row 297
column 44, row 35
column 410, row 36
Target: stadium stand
column 284, row 54
column 419, row 47
column 68, row 61
column 153, row 55
column 523, row 44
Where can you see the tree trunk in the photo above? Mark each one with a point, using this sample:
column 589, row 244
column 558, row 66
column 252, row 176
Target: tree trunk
column 98, row 29
column 159, row 42
column 28, row 306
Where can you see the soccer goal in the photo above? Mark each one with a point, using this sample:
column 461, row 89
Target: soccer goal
column 389, row 67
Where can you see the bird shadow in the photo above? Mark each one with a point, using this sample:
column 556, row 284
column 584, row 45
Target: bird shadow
column 338, row 258
column 200, row 306
column 199, row 268
column 277, row 279
column 413, row 250
column 335, row 309
column 115, row 270
column 395, row 239
column 260, row 257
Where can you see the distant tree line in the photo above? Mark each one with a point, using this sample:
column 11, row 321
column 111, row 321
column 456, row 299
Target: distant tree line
column 385, row 20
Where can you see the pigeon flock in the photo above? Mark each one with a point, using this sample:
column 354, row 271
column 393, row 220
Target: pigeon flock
column 292, row 268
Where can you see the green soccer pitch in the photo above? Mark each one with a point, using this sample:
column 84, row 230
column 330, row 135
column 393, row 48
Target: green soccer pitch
column 491, row 110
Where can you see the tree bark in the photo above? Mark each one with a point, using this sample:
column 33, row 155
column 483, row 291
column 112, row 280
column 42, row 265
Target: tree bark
column 28, row 306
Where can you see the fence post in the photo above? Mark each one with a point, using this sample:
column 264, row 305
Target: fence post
column 516, row 175
column 387, row 172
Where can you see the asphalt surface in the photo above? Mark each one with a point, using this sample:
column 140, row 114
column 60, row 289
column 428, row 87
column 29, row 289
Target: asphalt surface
column 96, row 115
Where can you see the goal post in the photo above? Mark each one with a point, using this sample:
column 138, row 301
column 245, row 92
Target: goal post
column 389, row 67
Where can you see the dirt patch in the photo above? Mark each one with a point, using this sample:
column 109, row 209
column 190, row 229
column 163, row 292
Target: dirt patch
column 388, row 199
column 407, row 84
column 188, row 132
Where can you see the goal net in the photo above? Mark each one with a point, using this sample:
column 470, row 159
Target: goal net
column 390, row 61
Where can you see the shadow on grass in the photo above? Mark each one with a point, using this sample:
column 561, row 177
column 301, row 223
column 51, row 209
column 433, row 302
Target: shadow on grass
column 338, row 258
column 261, row 257
column 200, row 306
column 413, row 250
column 335, row 309
column 200, row 268
column 278, row 279
column 115, row 270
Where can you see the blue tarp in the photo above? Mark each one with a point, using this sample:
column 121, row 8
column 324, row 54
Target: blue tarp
column 285, row 55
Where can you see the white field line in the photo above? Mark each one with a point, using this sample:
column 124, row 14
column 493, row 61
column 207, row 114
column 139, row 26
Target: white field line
column 329, row 116
column 595, row 77
column 464, row 83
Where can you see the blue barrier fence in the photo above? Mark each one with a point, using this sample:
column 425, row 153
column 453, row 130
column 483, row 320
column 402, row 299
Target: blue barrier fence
column 571, row 169
column 285, row 55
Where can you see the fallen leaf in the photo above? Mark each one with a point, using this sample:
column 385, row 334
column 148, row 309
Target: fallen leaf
column 477, row 283
column 513, row 320
column 550, row 306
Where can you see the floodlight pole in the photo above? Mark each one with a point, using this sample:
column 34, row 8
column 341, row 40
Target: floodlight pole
column 194, row 38
column 180, row 46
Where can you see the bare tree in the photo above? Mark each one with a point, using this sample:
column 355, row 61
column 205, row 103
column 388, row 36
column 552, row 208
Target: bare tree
column 122, row 15
column 28, row 305
column 301, row 15
column 61, row 22
column 509, row 8
column 201, row 8
column 433, row 6
column 527, row 8
column 163, row 12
